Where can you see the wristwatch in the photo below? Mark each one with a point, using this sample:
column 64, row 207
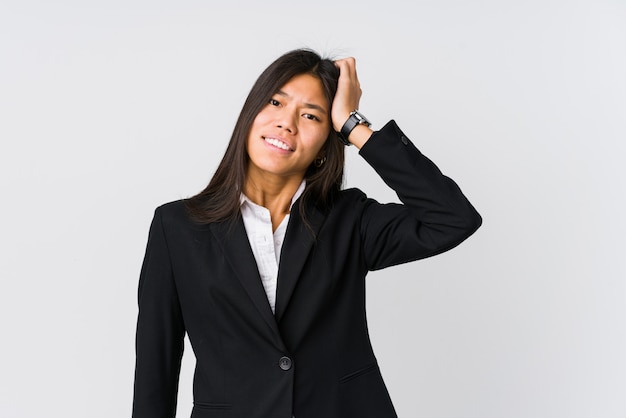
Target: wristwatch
column 355, row 119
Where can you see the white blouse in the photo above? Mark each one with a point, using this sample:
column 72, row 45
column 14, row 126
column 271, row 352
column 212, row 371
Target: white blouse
column 266, row 246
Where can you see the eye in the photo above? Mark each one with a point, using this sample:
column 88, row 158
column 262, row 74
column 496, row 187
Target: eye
column 274, row 102
column 311, row 117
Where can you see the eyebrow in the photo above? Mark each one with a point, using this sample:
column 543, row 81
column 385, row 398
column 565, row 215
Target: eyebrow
column 307, row 105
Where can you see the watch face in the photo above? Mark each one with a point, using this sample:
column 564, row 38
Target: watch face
column 362, row 119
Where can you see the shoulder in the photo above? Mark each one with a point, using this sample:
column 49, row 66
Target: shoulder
column 174, row 220
column 351, row 194
column 350, row 200
column 171, row 208
column 172, row 213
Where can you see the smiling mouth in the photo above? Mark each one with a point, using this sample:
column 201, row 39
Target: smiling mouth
column 277, row 143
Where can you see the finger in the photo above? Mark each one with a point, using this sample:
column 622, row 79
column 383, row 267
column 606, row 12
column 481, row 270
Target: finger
column 347, row 67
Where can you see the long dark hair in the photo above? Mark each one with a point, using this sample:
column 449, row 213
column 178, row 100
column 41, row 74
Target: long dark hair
column 220, row 200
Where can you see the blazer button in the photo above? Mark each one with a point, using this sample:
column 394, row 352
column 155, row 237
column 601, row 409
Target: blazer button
column 284, row 363
column 404, row 140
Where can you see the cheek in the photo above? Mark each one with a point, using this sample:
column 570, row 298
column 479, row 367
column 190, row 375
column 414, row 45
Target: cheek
column 317, row 134
column 252, row 141
column 317, row 143
column 262, row 118
column 322, row 136
column 256, row 129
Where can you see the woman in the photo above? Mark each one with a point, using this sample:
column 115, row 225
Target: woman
column 264, row 269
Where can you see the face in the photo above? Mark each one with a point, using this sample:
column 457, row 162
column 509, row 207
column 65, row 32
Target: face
column 289, row 132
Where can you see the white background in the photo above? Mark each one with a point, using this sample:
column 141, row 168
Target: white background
column 110, row 108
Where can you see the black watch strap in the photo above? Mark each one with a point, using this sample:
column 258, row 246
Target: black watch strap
column 355, row 119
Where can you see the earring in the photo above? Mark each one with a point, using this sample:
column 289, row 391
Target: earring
column 319, row 161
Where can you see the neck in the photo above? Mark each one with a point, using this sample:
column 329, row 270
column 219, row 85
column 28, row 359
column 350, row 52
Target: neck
column 275, row 194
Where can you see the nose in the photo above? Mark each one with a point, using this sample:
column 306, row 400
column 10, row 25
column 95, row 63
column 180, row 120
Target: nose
column 287, row 120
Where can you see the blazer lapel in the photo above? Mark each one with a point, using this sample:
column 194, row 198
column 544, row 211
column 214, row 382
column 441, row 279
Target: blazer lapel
column 296, row 248
column 237, row 251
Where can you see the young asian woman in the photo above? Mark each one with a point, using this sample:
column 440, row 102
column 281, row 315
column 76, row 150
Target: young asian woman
column 264, row 270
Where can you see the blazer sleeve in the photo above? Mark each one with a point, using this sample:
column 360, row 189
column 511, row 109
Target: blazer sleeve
column 160, row 331
column 434, row 215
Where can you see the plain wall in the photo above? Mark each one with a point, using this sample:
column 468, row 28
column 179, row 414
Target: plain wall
column 110, row 108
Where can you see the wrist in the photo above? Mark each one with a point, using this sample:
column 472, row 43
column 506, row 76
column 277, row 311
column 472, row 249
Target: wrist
column 339, row 121
column 354, row 120
column 360, row 135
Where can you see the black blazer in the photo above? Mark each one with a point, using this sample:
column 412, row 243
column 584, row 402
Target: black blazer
column 313, row 358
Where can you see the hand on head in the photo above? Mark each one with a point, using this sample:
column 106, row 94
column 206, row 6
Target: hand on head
column 348, row 92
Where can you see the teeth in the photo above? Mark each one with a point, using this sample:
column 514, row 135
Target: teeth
column 277, row 143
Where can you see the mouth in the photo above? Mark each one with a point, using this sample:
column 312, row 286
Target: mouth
column 277, row 143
